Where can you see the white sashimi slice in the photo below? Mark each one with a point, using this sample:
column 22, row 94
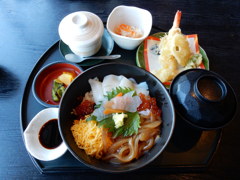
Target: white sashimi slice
column 142, row 88
column 145, row 112
column 99, row 111
column 125, row 102
column 126, row 83
column 97, row 90
column 132, row 80
column 109, row 82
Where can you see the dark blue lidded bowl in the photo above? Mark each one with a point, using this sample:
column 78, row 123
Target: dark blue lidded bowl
column 203, row 98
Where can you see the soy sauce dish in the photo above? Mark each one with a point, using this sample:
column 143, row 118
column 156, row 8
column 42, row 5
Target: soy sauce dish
column 42, row 138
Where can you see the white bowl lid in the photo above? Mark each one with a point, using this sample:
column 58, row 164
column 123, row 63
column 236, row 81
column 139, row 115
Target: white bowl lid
column 81, row 28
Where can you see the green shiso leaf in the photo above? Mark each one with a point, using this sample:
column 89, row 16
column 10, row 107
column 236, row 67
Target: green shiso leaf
column 118, row 90
column 91, row 118
column 130, row 127
column 108, row 123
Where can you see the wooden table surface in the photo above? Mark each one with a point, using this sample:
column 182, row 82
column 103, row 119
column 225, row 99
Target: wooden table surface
column 29, row 28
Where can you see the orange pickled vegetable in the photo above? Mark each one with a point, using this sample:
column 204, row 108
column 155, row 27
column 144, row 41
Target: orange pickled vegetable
column 128, row 31
column 110, row 111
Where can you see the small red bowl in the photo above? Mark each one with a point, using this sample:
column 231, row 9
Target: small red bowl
column 43, row 81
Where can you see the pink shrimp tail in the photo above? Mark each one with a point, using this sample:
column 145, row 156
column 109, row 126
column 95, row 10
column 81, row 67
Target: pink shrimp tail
column 177, row 19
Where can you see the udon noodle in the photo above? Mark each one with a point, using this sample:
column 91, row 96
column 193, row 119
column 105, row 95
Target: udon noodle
column 103, row 137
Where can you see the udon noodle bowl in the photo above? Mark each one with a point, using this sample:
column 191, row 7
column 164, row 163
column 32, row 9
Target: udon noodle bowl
column 117, row 120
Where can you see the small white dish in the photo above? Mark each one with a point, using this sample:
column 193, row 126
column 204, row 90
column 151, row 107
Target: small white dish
column 32, row 141
column 132, row 16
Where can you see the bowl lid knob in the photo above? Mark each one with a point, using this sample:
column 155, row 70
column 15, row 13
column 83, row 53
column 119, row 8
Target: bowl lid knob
column 80, row 20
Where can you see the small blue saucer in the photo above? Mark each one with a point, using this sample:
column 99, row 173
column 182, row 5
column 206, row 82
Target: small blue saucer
column 106, row 49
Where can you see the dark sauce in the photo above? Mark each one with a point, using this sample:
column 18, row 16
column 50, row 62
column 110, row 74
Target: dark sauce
column 49, row 135
column 210, row 89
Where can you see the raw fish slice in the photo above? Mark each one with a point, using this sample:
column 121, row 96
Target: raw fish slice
column 142, row 88
column 145, row 112
column 132, row 80
column 97, row 90
column 125, row 102
column 109, row 82
column 99, row 111
column 126, row 83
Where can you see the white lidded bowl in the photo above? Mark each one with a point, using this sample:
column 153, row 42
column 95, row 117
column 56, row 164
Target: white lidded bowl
column 132, row 16
column 82, row 31
column 31, row 137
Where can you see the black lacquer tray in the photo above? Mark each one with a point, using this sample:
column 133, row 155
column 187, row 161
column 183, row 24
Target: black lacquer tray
column 189, row 150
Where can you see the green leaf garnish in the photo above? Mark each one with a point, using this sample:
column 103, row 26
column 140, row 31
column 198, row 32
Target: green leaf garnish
column 194, row 61
column 97, row 106
column 118, row 90
column 91, row 118
column 130, row 127
column 108, row 123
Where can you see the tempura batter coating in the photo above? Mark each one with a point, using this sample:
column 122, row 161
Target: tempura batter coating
column 175, row 52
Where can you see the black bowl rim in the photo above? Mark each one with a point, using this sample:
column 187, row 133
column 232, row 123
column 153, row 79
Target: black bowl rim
column 145, row 163
column 39, row 100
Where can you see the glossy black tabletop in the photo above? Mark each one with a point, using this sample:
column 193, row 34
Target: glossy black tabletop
column 29, row 28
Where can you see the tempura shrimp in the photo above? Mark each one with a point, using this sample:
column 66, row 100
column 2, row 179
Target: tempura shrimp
column 175, row 51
